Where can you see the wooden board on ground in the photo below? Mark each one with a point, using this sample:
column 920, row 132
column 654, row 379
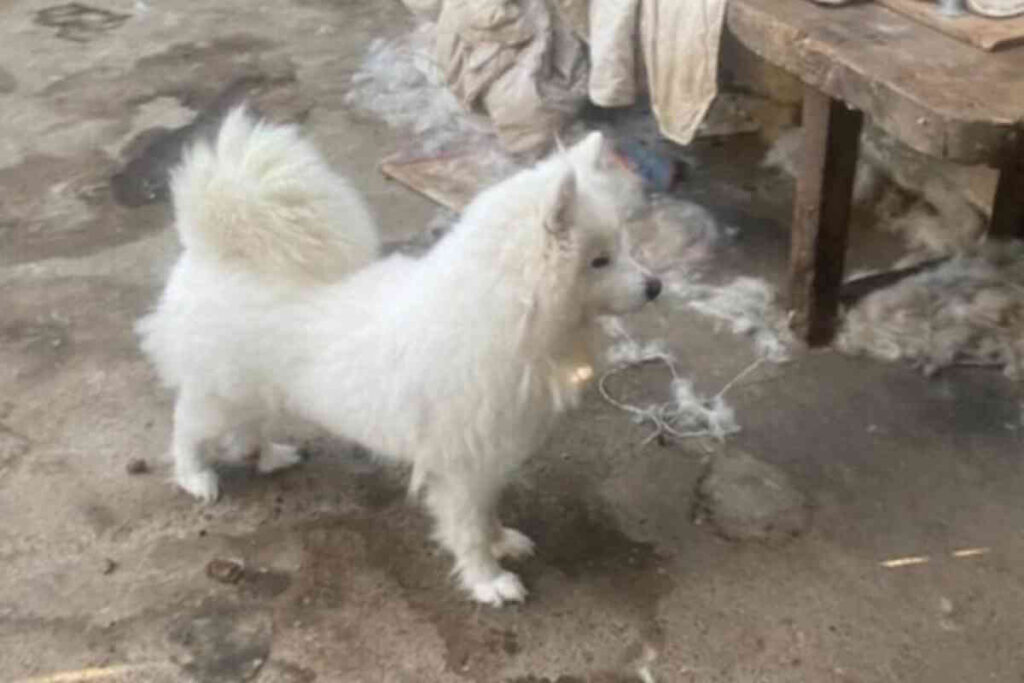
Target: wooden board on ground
column 988, row 34
column 451, row 179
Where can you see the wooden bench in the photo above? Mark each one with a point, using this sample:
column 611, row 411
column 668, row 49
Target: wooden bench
column 940, row 96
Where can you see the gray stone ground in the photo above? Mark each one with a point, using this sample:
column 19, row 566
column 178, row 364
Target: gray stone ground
column 103, row 573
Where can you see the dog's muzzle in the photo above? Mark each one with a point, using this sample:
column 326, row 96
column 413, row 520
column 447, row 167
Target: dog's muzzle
column 652, row 288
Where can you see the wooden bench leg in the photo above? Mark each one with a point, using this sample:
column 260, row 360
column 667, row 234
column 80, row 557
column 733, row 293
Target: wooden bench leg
column 821, row 214
column 1008, row 206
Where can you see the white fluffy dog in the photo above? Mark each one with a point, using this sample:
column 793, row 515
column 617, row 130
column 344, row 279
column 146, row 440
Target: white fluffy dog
column 457, row 363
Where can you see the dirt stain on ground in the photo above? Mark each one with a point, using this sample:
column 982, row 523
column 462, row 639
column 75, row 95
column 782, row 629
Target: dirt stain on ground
column 79, row 23
column 575, row 538
column 224, row 643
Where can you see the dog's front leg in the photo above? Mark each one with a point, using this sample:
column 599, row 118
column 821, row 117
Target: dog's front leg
column 463, row 508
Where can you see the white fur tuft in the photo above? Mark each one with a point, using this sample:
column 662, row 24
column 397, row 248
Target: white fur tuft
column 263, row 198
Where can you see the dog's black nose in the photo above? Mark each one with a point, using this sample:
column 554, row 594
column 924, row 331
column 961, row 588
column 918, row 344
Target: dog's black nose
column 652, row 288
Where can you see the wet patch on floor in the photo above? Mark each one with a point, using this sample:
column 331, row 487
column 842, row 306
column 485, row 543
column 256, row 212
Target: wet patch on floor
column 154, row 152
column 223, row 643
column 74, row 205
column 55, row 206
column 576, row 544
column 578, row 537
column 80, row 23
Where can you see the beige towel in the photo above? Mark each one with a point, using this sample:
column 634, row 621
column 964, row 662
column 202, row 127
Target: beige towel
column 613, row 30
column 680, row 41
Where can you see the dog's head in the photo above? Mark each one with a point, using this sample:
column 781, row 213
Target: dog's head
column 590, row 198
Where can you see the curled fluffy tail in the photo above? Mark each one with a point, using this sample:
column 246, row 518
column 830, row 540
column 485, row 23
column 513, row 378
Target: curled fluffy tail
column 262, row 197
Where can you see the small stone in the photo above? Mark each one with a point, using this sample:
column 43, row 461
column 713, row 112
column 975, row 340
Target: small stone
column 225, row 571
column 137, row 466
column 946, row 606
column 109, row 567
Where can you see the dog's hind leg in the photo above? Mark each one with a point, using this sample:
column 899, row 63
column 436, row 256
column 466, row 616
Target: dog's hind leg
column 243, row 442
column 253, row 438
column 510, row 542
column 464, row 509
column 277, row 456
column 198, row 419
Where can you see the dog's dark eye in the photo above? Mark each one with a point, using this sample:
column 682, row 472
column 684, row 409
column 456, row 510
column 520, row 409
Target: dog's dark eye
column 601, row 262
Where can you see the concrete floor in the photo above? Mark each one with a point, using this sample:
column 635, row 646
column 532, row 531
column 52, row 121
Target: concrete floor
column 103, row 573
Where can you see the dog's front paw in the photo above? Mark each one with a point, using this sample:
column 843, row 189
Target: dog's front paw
column 505, row 587
column 276, row 456
column 513, row 544
column 202, row 484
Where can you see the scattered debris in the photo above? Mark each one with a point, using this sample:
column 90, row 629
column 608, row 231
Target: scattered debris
column 747, row 499
column 927, row 202
column 401, row 83
column 748, row 306
column 686, row 414
column 673, row 237
column 730, row 114
column 969, row 310
column 137, row 466
column 225, row 571
column 109, row 567
column 455, row 153
column 914, row 560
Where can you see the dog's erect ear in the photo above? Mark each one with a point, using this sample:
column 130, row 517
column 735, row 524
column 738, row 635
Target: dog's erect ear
column 592, row 150
column 558, row 211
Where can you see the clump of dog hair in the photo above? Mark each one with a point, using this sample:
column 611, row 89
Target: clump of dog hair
column 897, row 193
column 400, row 82
column 686, row 414
column 748, row 307
column 676, row 238
column 969, row 310
column 674, row 235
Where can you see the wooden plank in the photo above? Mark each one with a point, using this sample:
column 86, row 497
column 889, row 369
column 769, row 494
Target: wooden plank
column 1008, row 204
column 983, row 32
column 821, row 214
column 940, row 96
column 451, row 179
